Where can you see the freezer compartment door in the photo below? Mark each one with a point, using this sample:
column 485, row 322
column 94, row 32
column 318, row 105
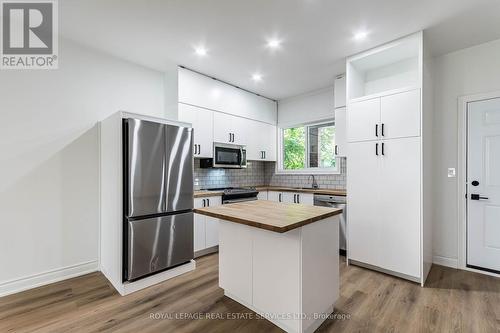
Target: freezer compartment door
column 158, row 243
column 179, row 171
column 145, row 164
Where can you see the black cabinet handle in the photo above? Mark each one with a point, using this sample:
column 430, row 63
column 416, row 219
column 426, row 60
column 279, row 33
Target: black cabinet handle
column 208, row 200
column 295, row 198
column 264, row 154
column 195, row 149
column 383, row 126
column 204, row 203
column 336, row 150
column 376, row 149
column 298, row 198
column 279, row 197
column 376, row 130
column 383, row 145
column 199, row 149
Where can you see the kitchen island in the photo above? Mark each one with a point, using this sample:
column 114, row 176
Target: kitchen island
column 279, row 260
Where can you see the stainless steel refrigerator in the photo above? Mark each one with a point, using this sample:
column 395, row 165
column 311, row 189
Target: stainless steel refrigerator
column 158, row 197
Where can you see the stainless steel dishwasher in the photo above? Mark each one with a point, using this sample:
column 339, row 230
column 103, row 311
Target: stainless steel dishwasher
column 335, row 201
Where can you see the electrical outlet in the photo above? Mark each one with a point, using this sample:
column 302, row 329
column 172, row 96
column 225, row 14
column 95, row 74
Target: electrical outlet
column 452, row 173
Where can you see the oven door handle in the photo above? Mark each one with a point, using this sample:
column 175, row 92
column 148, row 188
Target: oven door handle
column 239, row 200
column 241, row 156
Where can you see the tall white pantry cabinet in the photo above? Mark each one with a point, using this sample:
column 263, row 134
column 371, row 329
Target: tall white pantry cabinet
column 389, row 113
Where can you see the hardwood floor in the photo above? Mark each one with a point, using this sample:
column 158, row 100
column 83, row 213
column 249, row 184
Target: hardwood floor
column 452, row 301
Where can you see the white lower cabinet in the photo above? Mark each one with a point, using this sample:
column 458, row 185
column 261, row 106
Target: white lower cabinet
column 262, row 195
column 291, row 197
column 206, row 229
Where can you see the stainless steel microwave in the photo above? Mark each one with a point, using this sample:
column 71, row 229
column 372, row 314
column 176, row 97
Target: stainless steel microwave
column 226, row 156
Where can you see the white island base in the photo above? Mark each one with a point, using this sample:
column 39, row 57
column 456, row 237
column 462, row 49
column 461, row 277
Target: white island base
column 291, row 278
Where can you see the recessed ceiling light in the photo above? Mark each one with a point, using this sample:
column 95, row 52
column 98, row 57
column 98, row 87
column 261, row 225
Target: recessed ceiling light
column 257, row 77
column 201, row 51
column 360, row 35
column 273, row 43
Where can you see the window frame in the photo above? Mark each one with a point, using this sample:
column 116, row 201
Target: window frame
column 308, row 171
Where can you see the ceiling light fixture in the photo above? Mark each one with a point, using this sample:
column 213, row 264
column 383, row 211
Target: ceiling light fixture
column 257, row 77
column 360, row 35
column 201, row 51
column 273, row 43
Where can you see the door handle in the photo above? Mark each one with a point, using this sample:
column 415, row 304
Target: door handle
column 199, row 149
column 298, row 198
column 229, row 137
column 195, row 149
column 295, row 198
column 383, row 145
column 233, row 137
column 376, row 130
column 208, row 200
column 264, row 154
column 204, row 203
column 383, row 132
column 477, row 197
column 336, row 150
column 376, row 149
column 279, row 197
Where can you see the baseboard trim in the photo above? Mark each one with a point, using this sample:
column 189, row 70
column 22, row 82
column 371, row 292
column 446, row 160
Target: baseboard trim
column 48, row 277
column 445, row 261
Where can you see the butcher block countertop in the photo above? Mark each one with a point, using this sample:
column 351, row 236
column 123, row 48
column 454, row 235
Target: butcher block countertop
column 303, row 190
column 269, row 215
column 204, row 193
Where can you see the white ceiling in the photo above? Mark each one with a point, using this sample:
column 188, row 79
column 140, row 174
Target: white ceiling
column 316, row 34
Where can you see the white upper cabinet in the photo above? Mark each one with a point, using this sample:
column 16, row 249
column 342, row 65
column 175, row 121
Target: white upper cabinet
column 203, row 91
column 230, row 129
column 202, row 121
column 339, row 91
column 400, row 115
column 389, row 68
column 363, row 120
column 261, row 141
column 340, row 132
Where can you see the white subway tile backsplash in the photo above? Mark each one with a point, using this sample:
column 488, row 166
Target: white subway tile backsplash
column 263, row 173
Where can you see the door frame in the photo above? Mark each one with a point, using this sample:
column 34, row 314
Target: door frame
column 463, row 103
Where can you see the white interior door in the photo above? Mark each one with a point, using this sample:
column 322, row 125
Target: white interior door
column 483, row 185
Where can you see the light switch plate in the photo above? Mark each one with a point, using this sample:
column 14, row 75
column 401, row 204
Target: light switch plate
column 452, row 173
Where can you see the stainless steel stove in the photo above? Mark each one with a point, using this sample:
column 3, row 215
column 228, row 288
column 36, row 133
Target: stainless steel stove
column 236, row 194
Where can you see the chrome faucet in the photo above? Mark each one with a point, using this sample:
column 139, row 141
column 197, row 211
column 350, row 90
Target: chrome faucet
column 314, row 184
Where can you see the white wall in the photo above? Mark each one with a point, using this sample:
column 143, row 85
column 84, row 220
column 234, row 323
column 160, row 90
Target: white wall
column 469, row 71
column 313, row 106
column 49, row 192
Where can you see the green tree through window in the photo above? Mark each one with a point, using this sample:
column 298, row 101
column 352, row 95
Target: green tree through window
column 309, row 146
column 294, row 144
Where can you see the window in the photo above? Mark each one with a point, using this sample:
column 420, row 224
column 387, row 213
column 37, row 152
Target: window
column 308, row 148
